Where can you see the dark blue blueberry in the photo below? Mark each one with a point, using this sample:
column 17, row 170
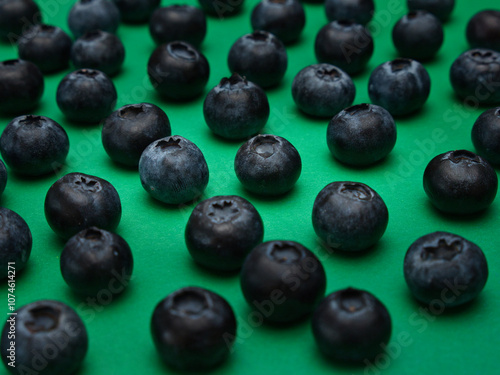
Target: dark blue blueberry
column 22, row 86
column 349, row 216
column 136, row 11
column 322, row 90
column 94, row 260
column 173, row 170
column 50, row 339
column 222, row 230
column 483, row 30
column 34, row 145
column 351, row 325
column 16, row 16
column 236, row 108
column 90, row 15
column 222, row 8
column 15, row 242
column 486, row 135
column 361, row 135
column 268, row 165
column 283, row 18
column 178, row 23
column 460, row 182
column 98, row 50
column 193, row 329
column 3, row 177
column 475, row 74
column 440, row 8
column 178, row 71
column 86, row 96
column 359, row 11
column 78, row 201
column 129, row 130
column 260, row 57
column 401, row 86
column 48, row 47
column 344, row 44
column 418, row 35
column 444, row 267
column 282, row 280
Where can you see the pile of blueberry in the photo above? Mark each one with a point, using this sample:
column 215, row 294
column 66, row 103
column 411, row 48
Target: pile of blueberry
column 194, row 328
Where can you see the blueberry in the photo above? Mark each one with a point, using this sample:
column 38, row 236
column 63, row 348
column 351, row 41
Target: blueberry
column 193, row 329
column 3, row 177
column 444, row 267
column 15, row 242
column 47, row 46
column 349, row 216
column 260, row 57
column 90, row 15
column 177, row 70
column 282, row 280
column 268, row 165
column 359, row 11
column 222, row 8
column 344, row 44
column 418, row 35
column 173, row 170
column 460, row 182
column 236, row 108
column 483, row 30
column 351, row 325
column 16, row 16
column 401, row 86
column 22, row 86
column 440, row 8
column 86, row 96
column 322, row 90
column 129, row 130
column 475, row 74
column 50, row 339
column 486, row 135
column 98, row 50
column 283, row 18
column 178, row 22
column 222, row 230
column 34, row 145
column 95, row 260
column 136, row 11
column 78, row 201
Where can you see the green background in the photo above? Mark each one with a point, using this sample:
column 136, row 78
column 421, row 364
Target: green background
column 463, row 341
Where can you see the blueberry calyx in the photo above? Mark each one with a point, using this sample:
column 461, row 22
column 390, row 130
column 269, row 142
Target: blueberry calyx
column 483, row 56
column 11, row 62
column 497, row 112
column 280, row 2
column 443, row 250
column 351, row 300
column 43, row 319
column 221, row 212
column 356, row 191
column 32, row 120
column 89, row 73
column 259, row 36
column 93, row 233
column 88, row 184
column 190, row 303
column 463, row 156
column 355, row 109
column 169, row 144
column 234, row 82
column 328, row 74
column 285, row 253
column 131, row 111
column 400, row 64
column 182, row 51
column 265, row 146
column 345, row 23
column 91, row 35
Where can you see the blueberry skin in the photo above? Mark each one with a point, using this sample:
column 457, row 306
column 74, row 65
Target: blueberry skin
column 90, row 15
column 222, row 230
column 98, row 50
column 349, row 216
column 401, row 86
column 344, row 44
column 359, row 11
column 3, row 177
column 178, row 71
column 94, row 260
column 483, row 30
column 351, row 325
column 283, row 280
column 440, row 8
column 86, row 96
column 193, row 329
column 222, row 8
column 268, row 165
column 129, row 130
column 418, row 35
column 460, row 182
column 78, row 201
column 34, row 145
column 173, row 170
column 445, row 267
column 46, row 46
column 486, row 135
column 15, row 16
column 236, row 108
column 260, row 57
column 178, row 23
column 15, row 241
column 283, row 18
column 136, row 11
column 22, row 86
column 475, row 74
column 322, row 90
column 41, row 327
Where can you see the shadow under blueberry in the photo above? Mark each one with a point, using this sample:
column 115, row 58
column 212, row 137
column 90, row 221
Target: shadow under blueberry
column 333, row 363
column 384, row 162
column 155, row 203
column 203, row 270
column 474, row 218
column 322, row 121
column 372, row 251
column 269, row 198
